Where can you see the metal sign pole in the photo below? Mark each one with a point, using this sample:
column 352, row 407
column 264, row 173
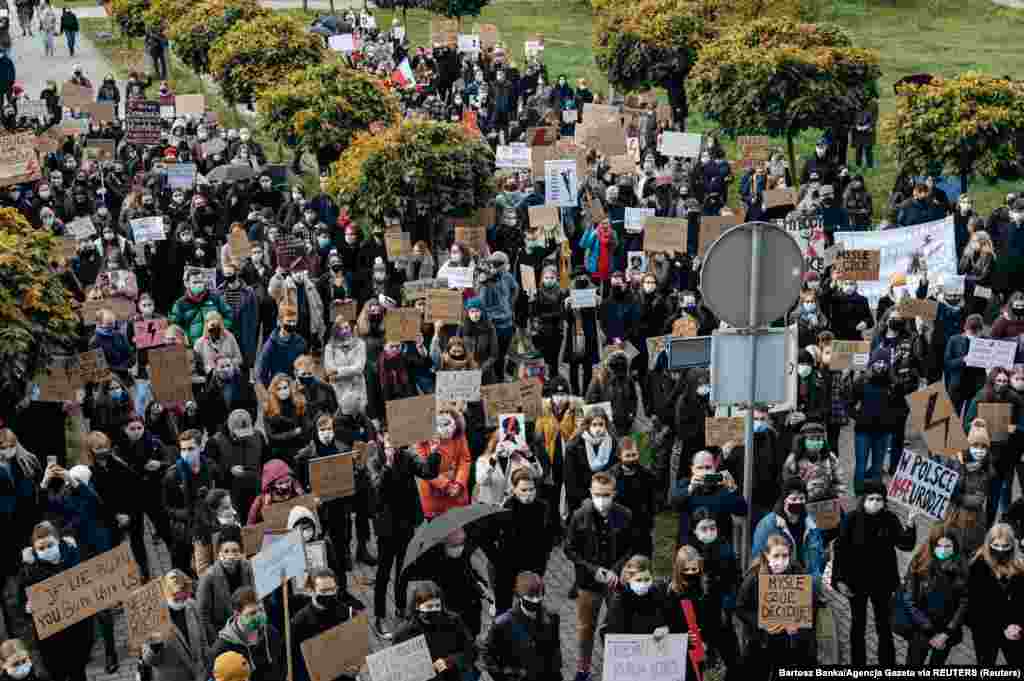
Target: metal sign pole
column 747, row 535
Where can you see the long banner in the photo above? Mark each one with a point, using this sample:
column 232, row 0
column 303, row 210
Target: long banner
column 903, row 250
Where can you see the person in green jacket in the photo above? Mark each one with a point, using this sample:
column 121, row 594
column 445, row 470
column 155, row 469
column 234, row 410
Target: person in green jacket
column 189, row 312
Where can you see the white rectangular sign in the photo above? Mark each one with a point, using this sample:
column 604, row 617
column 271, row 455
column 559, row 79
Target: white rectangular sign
column 560, row 187
column 148, row 229
column 284, row 556
column 923, row 483
column 458, row 386
column 583, row 297
column 989, row 353
column 638, row 657
column 684, row 144
column 634, row 218
column 512, row 156
column 406, row 661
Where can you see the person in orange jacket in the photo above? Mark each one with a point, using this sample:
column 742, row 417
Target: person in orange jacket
column 451, row 487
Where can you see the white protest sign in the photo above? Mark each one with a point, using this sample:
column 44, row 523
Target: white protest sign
column 148, row 229
column 685, row 144
column 460, row 277
column 560, row 188
column 284, row 556
column 512, row 156
column 81, row 228
column 989, row 353
column 982, row 292
column 633, row 220
column 583, row 297
column 953, row 284
column 923, row 483
column 469, row 43
column 344, row 42
column 458, row 386
column 638, row 657
column 406, row 661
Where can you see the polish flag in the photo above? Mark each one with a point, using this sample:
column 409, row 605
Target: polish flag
column 403, row 76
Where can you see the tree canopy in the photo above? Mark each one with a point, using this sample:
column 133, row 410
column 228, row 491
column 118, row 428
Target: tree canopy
column 456, row 8
column 130, row 15
column 197, row 29
column 970, row 123
column 436, row 165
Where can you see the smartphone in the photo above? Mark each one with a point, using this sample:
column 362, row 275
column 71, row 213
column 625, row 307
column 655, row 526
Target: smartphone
column 51, row 461
column 712, row 479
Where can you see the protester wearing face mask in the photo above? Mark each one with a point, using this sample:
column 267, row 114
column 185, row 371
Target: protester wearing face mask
column 17, row 661
column 580, row 331
column 20, row 474
column 282, row 348
column 448, row 566
column 287, row 423
column 500, row 461
column 935, row 591
column 111, row 340
column 996, row 586
column 224, row 577
column 810, row 319
column 189, row 312
column 547, row 309
column 184, row 485
column 709, row 489
column 183, row 652
column 107, row 406
column 297, row 289
column 1011, row 324
column 451, row 487
column 813, row 395
column 249, row 633
column 770, row 648
column 791, row 521
column 641, row 606
column 813, row 461
column 217, row 343
column 1004, row 454
column 709, row 567
column 508, row 655
column 865, row 567
column 451, row 646
column 65, row 653
column 635, row 489
column 330, row 606
column 240, row 449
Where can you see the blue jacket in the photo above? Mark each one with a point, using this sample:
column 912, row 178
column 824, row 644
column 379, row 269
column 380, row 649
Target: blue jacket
column 812, row 550
column 620, row 318
column 80, row 510
column 589, row 243
column 498, row 297
column 326, row 210
column 719, row 501
column 278, row 356
column 116, row 349
column 247, row 325
column 954, row 360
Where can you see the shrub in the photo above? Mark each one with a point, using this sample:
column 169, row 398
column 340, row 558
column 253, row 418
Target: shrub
column 195, row 31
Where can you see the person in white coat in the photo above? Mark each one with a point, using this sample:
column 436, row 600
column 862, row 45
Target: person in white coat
column 495, row 468
column 345, row 362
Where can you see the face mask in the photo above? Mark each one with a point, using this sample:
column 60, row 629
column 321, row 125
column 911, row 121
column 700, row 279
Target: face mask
column 978, row 453
column 602, row 504
column 778, row 565
column 814, row 445
column 50, row 554
column 326, row 436
column 707, row 536
column 21, row 671
column 760, row 426
column 597, row 432
column 44, row 195
column 1002, row 554
column 326, row 601
column 527, row 498
column 530, row 605
column 308, row 533
column 873, row 506
column 795, row 509
column 809, row 307
column 456, row 256
column 284, row 393
column 228, row 517
column 175, row 604
column 253, row 622
column 454, row 551
column 323, row 241
column 704, row 390
column 550, row 282
column 804, row 370
column 943, row 552
column 197, row 289
column 641, row 588
column 190, row 456
column 649, row 288
column 134, row 434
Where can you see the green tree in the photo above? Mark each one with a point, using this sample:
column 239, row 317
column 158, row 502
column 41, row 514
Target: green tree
column 456, row 9
column 130, row 16
column 258, row 54
column 437, row 166
column 35, row 308
column 194, row 31
column 973, row 123
column 780, row 77
column 322, row 107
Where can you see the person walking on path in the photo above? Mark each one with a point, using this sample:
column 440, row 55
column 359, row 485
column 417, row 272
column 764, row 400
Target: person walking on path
column 69, row 27
column 47, row 27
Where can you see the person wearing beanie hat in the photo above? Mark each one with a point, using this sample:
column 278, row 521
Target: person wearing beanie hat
column 820, row 164
column 547, row 310
column 183, row 652
column 231, row 666
column 976, row 495
column 813, row 461
column 791, row 520
column 1003, row 450
column 481, row 341
column 866, row 567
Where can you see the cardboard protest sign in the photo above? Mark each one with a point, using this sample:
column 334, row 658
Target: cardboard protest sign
column 458, row 386
column 856, row 265
column 58, row 383
column 989, row 353
column 90, row 587
column 18, row 161
column 932, row 414
column 475, row 237
column 753, row 148
column 719, row 430
column 500, row 398
column 531, row 397
column 104, row 148
column 411, row 420
column 684, row 144
column 712, row 227
column 171, row 373
column 529, row 278
column 190, row 104
column 122, row 308
column 92, row 366
column 146, row 613
column 826, row 513
column 918, row 307
column 275, row 515
column 252, row 538
column 610, row 140
column 284, row 557
column 538, row 156
column 75, row 96
column 583, row 298
column 665, row 235
column 444, row 305
column 397, row 243
column 850, row 354
column 544, row 216
column 101, row 112
column 638, row 657
column 331, row 477
column 924, row 484
column 402, row 324
column 512, row 156
column 785, row 600
column 406, row 661
column 774, row 198
column 148, row 333
column 601, row 113
column 998, row 416
column 346, row 309
column 238, row 245
column 488, row 35
column 148, row 229
column 339, row 650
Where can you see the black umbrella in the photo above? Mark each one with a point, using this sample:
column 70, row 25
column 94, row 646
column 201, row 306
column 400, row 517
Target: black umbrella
column 232, row 172
column 437, row 530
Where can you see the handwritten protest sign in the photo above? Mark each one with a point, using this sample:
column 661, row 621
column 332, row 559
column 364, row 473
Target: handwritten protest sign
column 665, row 235
column 460, row 277
column 171, row 373
column 633, row 218
column 252, row 538
column 529, row 277
column 924, row 484
column 416, row 289
column 531, row 397
column 346, row 309
column 982, row 292
column 121, row 308
column 474, row 236
column 76, row 594
column 775, row 198
column 989, row 353
column 75, row 96
column 238, row 245
column 148, row 333
column 146, row 612
column 512, row 156
column 458, row 386
column 58, row 383
column 719, row 430
column 103, row 150
column 998, row 416
column 406, row 661
column 953, row 284
column 18, row 161
column 753, row 148
column 638, row 657
column 543, row 216
column 500, row 398
column 583, row 298
column 338, row 650
column 411, row 420
column 932, row 414
column 560, row 187
column 849, row 354
column 180, row 175
column 275, row 515
column 444, row 305
column 92, row 365
column 856, row 265
column 402, row 324
column 148, row 229
column 331, row 477
column 142, row 122
column 918, row 307
column 541, row 137
column 101, row 112
column 685, row 144
column 826, row 513
column 785, row 600
column 190, row 104
column 601, row 113
column 285, row 557
column 397, row 243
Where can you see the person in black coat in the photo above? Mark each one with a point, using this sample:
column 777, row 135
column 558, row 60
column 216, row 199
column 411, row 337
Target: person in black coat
column 847, row 310
column 451, row 646
column 524, row 644
column 393, row 472
column 331, row 605
column 635, row 487
column 448, row 565
column 239, row 450
column 865, row 567
column 996, row 584
column 184, row 485
column 526, row 537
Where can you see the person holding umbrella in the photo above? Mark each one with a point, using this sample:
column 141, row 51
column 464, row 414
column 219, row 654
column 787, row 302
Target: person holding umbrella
column 448, row 565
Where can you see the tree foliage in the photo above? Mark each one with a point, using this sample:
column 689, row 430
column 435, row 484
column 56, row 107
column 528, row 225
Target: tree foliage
column 162, row 13
column 255, row 55
column 456, row 8
column 130, row 16
column 970, row 123
column 197, row 29
column 35, row 307
column 326, row 105
column 437, row 164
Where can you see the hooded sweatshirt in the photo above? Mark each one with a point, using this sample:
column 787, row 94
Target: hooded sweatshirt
column 266, row 655
column 274, row 470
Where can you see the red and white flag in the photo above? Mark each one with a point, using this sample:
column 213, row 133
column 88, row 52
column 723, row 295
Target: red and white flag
column 403, row 76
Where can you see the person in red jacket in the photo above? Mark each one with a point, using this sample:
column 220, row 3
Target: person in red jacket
column 451, row 487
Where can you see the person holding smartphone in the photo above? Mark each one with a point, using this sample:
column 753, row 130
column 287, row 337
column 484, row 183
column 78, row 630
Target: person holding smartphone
column 707, row 488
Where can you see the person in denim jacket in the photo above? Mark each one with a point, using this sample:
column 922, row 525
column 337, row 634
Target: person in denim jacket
column 791, row 520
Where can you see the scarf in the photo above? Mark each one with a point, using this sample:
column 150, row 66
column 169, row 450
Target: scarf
column 598, row 459
column 552, row 427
